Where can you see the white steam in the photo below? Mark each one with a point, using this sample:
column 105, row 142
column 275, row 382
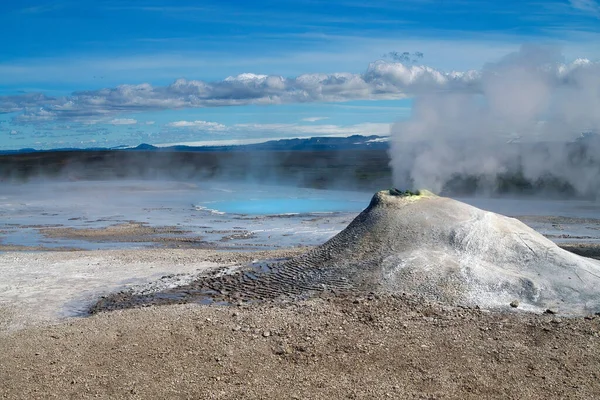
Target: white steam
column 521, row 114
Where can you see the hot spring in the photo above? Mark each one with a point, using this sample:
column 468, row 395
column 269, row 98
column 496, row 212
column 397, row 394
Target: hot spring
column 220, row 214
column 286, row 206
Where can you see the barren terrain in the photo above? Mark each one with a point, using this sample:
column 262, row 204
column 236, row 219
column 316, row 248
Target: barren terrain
column 338, row 348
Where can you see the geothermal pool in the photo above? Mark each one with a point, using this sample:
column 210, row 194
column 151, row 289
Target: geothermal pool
column 133, row 214
column 209, row 214
column 286, row 205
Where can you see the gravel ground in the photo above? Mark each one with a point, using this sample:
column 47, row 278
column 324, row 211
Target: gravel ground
column 336, row 348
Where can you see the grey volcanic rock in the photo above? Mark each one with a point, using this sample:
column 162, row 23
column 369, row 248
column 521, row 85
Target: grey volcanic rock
column 449, row 251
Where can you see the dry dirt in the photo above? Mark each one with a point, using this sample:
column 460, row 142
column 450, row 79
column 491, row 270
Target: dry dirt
column 334, row 348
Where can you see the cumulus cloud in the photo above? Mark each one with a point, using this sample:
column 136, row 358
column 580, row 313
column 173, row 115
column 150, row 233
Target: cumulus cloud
column 381, row 80
column 16, row 103
column 123, row 121
column 35, row 116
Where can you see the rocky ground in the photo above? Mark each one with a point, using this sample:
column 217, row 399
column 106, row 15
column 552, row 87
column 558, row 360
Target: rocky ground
column 352, row 347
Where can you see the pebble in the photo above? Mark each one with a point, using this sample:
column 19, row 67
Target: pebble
column 266, row 334
column 514, row 303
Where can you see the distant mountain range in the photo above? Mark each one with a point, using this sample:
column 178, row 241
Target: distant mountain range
column 354, row 142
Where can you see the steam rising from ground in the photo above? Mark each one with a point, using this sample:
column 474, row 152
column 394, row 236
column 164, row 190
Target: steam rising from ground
column 523, row 116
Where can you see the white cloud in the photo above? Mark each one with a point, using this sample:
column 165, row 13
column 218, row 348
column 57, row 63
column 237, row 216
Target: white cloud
column 317, row 130
column 313, row 119
column 202, row 125
column 285, row 130
column 150, row 122
column 40, row 115
column 123, row 121
column 588, row 6
column 381, row 80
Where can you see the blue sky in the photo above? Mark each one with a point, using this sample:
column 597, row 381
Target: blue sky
column 106, row 73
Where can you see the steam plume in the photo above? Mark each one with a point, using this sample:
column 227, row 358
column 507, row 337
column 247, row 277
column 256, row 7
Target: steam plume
column 523, row 116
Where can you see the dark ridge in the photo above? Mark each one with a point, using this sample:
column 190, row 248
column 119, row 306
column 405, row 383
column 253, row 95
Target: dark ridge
column 354, row 163
column 310, row 144
column 360, row 169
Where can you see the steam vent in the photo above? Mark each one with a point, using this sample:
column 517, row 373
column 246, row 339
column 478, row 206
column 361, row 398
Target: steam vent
column 415, row 243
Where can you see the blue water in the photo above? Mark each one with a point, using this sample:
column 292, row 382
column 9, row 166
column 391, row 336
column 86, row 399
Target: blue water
column 269, row 216
column 279, row 206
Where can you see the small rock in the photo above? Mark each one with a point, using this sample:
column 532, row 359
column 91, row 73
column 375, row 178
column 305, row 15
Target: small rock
column 266, row 334
column 514, row 303
column 550, row 311
column 236, row 328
